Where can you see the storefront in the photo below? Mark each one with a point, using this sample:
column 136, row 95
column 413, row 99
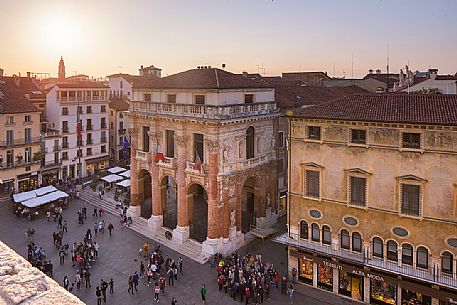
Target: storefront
column 7, row 187
column 409, row 297
column 350, row 285
column 27, row 182
column 383, row 292
column 324, row 276
column 305, row 269
column 96, row 164
column 50, row 177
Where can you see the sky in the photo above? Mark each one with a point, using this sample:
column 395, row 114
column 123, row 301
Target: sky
column 341, row 37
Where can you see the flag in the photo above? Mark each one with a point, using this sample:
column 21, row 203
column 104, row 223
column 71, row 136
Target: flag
column 126, row 146
column 159, row 155
column 198, row 162
column 79, row 128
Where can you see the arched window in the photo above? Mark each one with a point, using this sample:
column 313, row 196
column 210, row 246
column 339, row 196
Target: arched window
column 392, row 253
column 378, row 249
column 326, row 235
column 447, row 262
column 345, row 242
column 422, row 258
column 250, row 143
column 303, row 229
column 356, row 242
column 407, row 254
column 315, row 232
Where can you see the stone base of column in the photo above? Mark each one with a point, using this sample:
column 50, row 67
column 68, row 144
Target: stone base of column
column 134, row 211
column 155, row 222
column 211, row 246
column 268, row 221
column 181, row 234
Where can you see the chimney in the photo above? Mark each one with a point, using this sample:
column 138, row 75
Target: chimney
column 245, row 74
column 28, row 74
column 370, row 71
column 378, row 71
column 1, row 72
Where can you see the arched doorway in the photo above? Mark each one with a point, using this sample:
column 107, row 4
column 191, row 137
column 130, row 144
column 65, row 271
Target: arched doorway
column 169, row 200
column 248, row 205
column 197, row 200
column 145, row 193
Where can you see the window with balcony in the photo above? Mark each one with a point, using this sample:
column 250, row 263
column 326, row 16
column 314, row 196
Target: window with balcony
column 447, row 263
column 315, row 232
column 9, row 137
column 199, row 147
column 103, row 123
column 89, row 151
column 312, row 184
column 392, row 251
column 407, row 254
column 28, row 135
column 356, row 242
column 326, row 235
column 64, row 111
column 103, row 137
column 378, row 247
column 411, row 140
column 170, row 143
column 89, row 124
column 358, row 186
column 111, row 126
column 171, row 98
column 146, row 138
column 28, row 154
column 410, row 199
column 9, row 158
column 80, row 109
column 199, row 99
column 250, row 142
column 249, row 98
column 345, row 240
column 28, row 119
column 121, row 115
column 64, row 142
column 281, row 139
column 121, row 127
column 314, row 132
column 147, row 97
column 102, row 108
column 79, row 153
column 358, row 136
column 303, row 229
column 89, row 139
column 280, row 166
column 9, row 120
column 65, row 155
column 65, row 126
column 103, row 149
column 422, row 258
column 89, row 109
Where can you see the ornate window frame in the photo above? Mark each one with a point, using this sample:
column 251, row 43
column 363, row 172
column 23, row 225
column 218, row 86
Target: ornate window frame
column 410, row 180
column 357, row 173
column 311, row 166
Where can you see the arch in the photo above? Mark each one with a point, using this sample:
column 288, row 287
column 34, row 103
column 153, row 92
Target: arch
column 378, row 247
column 407, row 254
column 250, row 139
column 197, row 205
column 304, row 229
column 392, row 250
column 326, row 235
column 169, row 202
column 315, row 232
column 249, row 198
column 345, row 240
column 422, row 257
column 145, row 193
column 356, row 242
column 447, row 262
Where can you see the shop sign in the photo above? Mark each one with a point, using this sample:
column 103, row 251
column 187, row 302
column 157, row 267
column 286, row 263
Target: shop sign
column 332, row 265
column 368, row 275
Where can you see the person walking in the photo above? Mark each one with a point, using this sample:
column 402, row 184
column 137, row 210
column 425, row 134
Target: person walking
column 248, row 294
column 95, row 213
column 66, row 282
column 290, row 290
column 64, row 226
column 104, row 286
column 141, row 269
column 98, row 293
column 48, row 215
column 130, row 285
column 87, row 278
column 174, row 302
column 78, row 280
column 135, row 279
column 156, row 292
column 203, row 293
column 110, row 228
column 96, row 227
column 62, row 256
column 170, row 277
column 111, row 286
column 180, row 265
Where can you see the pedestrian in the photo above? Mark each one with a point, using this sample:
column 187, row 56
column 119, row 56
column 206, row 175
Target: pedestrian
column 59, row 224
column 290, row 290
column 170, row 277
column 294, row 275
column 136, row 279
column 162, row 284
column 175, row 271
column 96, row 228
column 98, row 293
column 203, row 293
column 111, row 286
column 62, row 256
column 64, row 226
column 104, row 286
column 149, row 275
column 87, row 278
column 100, row 194
column 130, row 285
column 101, row 226
column 77, row 195
column 100, row 211
column 248, row 294
column 156, row 292
column 141, row 269
column 95, row 213
column 174, row 302
column 180, row 265
column 48, row 215
column 78, row 280
column 96, row 248
column 110, row 228
column 66, row 282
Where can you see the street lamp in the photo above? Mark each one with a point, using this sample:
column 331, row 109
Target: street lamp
column 79, row 140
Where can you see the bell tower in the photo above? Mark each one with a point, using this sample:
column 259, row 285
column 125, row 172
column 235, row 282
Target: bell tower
column 61, row 73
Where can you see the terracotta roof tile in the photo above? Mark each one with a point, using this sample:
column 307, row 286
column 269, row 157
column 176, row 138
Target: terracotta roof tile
column 17, row 105
column 82, row 85
column 119, row 104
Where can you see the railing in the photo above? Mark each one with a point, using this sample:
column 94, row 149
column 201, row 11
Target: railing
column 50, row 133
column 64, row 145
column 57, row 148
column 65, row 130
column 89, row 127
column 244, row 164
column 142, row 155
column 16, row 142
column 204, row 111
column 103, row 140
column 89, row 142
column 103, row 126
column 194, row 168
column 28, row 123
column 80, row 143
column 10, row 123
column 89, row 153
column 432, row 274
column 51, row 163
column 64, row 112
column 168, row 162
column 121, row 131
column 21, row 163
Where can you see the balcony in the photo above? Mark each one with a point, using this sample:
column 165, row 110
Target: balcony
column 121, row 131
column 16, row 164
column 195, row 169
column 103, row 126
column 167, row 163
column 80, row 143
column 103, row 140
column 245, row 164
column 204, row 111
column 20, row 142
column 89, row 127
column 51, row 163
column 143, row 156
column 427, row 275
column 57, row 148
column 65, row 145
column 10, row 123
column 65, row 130
column 89, row 142
column 50, row 133
column 28, row 123
column 64, row 112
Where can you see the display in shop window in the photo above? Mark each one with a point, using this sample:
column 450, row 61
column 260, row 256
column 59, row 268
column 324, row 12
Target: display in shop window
column 306, row 271
column 383, row 293
column 414, row 298
column 325, row 277
column 351, row 286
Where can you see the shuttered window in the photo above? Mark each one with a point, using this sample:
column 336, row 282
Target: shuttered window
column 358, row 191
column 312, row 183
column 410, row 199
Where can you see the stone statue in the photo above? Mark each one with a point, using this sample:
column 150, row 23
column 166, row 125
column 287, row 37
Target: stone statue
column 268, row 200
column 232, row 218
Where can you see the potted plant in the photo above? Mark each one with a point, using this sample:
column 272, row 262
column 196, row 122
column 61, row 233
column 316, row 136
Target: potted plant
column 37, row 156
column 19, row 158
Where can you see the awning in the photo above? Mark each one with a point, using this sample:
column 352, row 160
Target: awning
column 20, row 197
column 125, row 174
column 44, row 190
column 112, row 178
column 35, row 202
column 116, row 170
column 124, row 183
column 97, row 159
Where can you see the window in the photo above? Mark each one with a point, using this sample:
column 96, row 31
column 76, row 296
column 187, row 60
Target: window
column 80, row 109
column 145, row 138
column 28, row 119
column 171, row 98
column 65, row 155
column 280, row 166
column 378, row 250
column 358, row 136
column 121, row 141
column 198, row 147
column 111, row 126
column 89, row 109
column 411, row 140
column 345, row 241
column 249, row 98
column 314, row 132
column 89, row 151
column 121, row 115
column 65, row 126
column 303, row 229
column 326, row 235
column 407, row 254
column 28, row 155
column 410, row 199
column 392, row 253
column 103, row 137
column 64, row 111
column 200, row 99
column 356, row 242
column 250, row 143
column 147, row 97
column 28, row 135
column 170, row 139
column 9, row 158
column 9, row 120
column 422, row 258
column 103, row 123
column 89, row 138
column 89, row 124
column 312, row 184
column 281, row 139
column 358, row 191
column 79, row 153
column 121, row 84
column 447, row 263
column 9, row 137
column 103, row 149
column 64, row 142
column 102, row 108
column 315, row 232
column 121, row 126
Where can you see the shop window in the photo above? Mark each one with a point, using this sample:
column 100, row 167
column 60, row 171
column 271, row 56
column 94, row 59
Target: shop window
column 325, row 277
column 351, row 285
column 407, row 254
column 378, row 250
column 312, row 184
column 315, row 232
column 250, row 143
column 422, row 258
column 303, row 229
column 392, row 253
column 306, row 271
column 345, row 242
column 411, row 140
column 314, row 132
column 358, row 136
column 382, row 292
column 356, row 242
column 326, row 235
column 413, row 297
column 447, row 263
column 358, row 191
column 410, row 199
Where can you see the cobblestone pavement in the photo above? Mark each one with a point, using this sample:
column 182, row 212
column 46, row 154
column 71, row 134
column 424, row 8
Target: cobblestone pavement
column 118, row 259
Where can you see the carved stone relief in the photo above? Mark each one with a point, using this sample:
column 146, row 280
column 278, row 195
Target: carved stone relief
column 385, row 136
column 335, row 133
column 440, row 140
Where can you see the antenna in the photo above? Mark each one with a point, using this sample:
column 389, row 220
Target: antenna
column 352, row 65
column 334, row 68
column 387, row 89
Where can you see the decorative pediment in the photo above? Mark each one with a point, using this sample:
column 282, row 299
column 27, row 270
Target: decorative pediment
column 411, row 177
column 357, row 170
column 312, row 164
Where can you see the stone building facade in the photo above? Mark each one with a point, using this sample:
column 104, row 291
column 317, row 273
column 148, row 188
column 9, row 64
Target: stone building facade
column 372, row 198
column 204, row 157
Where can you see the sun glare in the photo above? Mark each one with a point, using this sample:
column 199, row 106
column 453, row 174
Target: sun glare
column 62, row 34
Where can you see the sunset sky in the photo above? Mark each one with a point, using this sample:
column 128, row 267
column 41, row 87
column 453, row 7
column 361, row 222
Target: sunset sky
column 101, row 37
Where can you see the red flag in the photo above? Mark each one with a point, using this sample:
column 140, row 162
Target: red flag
column 78, row 129
column 198, row 162
column 159, row 155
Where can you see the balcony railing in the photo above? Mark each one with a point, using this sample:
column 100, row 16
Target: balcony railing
column 432, row 275
column 28, row 123
column 17, row 163
column 89, row 142
column 103, row 126
column 167, row 162
column 18, row 142
column 195, row 168
column 10, row 123
column 121, row 131
column 65, row 130
column 143, row 155
column 89, row 127
column 64, row 112
column 64, row 145
column 103, row 140
column 56, row 148
column 245, row 164
column 80, row 143
column 51, row 163
column 204, row 111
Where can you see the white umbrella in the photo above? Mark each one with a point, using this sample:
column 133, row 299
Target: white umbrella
column 116, row 170
column 112, row 178
column 125, row 183
column 20, row 197
column 125, row 174
column 45, row 190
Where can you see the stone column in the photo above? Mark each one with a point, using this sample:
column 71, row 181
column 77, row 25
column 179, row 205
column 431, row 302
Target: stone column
column 135, row 208
column 315, row 275
column 225, row 212
column 366, row 289
column 156, row 218
column 335, row 280
column 181, row 233
column 239, row 195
